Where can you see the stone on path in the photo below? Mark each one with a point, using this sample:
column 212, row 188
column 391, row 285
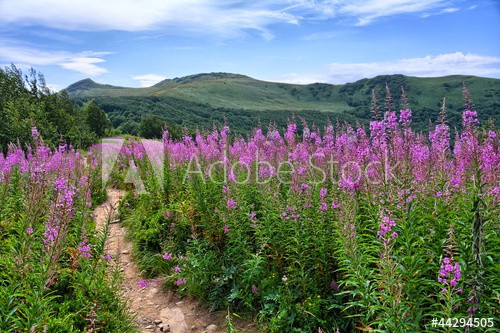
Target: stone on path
column 211, row 328
column 174, row 318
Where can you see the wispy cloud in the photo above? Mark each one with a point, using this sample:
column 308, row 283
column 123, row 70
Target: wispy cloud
column 428, row 66
column 187, row 48
column 366, row 12
column 443, row 11
column 322, row 35
column 228, row 18
column 148, row 80
column 297, row 78
column 225, row 19
column 83, row 62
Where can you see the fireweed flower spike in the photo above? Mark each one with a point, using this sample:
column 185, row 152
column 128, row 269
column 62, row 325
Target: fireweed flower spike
column 385, row 228
column 449, row 274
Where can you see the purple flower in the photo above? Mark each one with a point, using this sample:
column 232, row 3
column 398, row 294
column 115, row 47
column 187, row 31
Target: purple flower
column 167, row 256
column 50, row 234
column 226, row 229
column 177, row 269
column 335, row 204
column 323, row 192
column 106, row 257
column 469, row 118
column 385, row 227
column 29, row 230
column 405, row 117
column 166, row 214
column 449, row 274
column 496, row 193
column 231, row 203
column 84, row 250
column 255, row 289
column 143, row 283
column 253, row 217
column 180, row 282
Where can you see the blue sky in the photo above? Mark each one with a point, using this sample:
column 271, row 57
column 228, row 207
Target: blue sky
column 140, row 42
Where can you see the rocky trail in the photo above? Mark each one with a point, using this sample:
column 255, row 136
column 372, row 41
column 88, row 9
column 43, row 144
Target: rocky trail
column 155, row 310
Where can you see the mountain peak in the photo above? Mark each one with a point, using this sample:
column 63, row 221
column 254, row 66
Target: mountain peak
column 85, row 84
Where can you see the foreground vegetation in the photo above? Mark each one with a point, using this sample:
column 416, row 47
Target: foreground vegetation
column 54, row 273
column 344, row 230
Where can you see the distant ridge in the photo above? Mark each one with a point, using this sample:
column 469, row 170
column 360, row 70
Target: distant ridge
column 201, row 100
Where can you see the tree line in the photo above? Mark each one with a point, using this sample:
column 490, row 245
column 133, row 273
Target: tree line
column 26, row 102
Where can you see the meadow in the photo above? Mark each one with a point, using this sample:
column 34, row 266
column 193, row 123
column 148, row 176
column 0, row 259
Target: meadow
column 333, row 231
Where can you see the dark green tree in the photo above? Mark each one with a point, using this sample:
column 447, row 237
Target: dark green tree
column 151, row 127
column 96, row 119
column 25, row 101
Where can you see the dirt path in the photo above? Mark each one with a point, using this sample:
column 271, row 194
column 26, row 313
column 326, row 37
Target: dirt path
column 155, row 310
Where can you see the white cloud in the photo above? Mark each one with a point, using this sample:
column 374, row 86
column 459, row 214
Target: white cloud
column 365, row 12
column 54, row 87
column 82, row 62
column 226, row 19
column 429, row 66
column 443, row 11
column 84, row 65
column 148, row 80
column 296, row 78
column 229, row 18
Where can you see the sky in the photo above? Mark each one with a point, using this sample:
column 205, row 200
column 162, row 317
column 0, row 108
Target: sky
column 137, row 43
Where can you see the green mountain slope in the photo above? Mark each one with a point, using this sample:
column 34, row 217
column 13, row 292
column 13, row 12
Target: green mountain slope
column 202, row 100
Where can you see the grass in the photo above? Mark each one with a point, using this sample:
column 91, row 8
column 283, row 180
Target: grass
column 200, row 101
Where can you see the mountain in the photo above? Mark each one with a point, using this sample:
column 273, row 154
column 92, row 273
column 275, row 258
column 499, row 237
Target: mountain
column 79, row 88
column 202, row 100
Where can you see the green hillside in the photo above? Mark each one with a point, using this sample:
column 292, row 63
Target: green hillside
column 201, row 100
